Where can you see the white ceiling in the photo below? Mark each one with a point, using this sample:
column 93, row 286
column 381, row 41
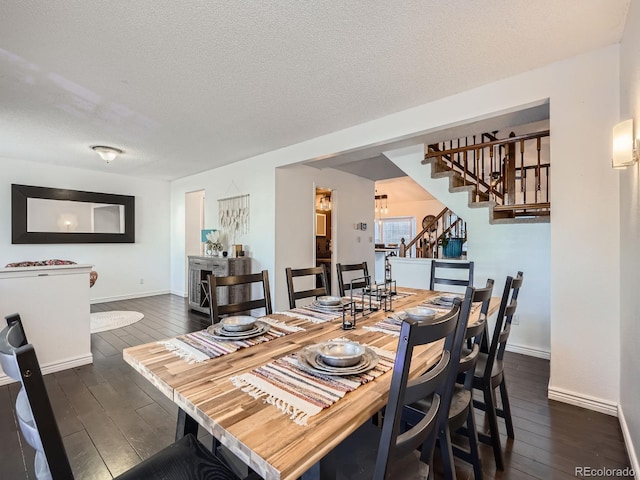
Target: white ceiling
column 403, row 189
column 186, row 86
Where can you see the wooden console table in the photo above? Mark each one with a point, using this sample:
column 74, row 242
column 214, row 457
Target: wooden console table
column 200, row 267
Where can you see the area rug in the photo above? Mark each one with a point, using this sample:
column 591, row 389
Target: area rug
column 103, row 321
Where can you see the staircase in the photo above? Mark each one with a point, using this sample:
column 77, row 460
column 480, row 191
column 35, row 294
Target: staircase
column 510, row 176
column 436, row 231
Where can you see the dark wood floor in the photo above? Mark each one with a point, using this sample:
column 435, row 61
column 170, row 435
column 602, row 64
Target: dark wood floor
column 111, row 418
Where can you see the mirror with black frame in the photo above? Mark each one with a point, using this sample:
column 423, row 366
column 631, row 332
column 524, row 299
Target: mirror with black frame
column 56, row 215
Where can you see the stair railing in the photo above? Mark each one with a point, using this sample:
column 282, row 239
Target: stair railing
column 445, row 224
column 492, row 167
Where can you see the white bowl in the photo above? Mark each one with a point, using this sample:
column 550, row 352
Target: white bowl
column 420, row 314
column 341, row 354
column 238, row 323
column 329, row 301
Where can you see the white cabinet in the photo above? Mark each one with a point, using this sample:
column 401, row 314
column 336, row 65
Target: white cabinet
column 53, row 302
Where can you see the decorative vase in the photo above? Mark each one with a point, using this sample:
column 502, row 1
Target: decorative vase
column 453, row 248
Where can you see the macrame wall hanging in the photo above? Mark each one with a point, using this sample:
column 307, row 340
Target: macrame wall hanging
column 234, row 215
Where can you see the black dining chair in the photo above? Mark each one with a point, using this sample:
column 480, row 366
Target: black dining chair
column 357, row 280
column 391, row 444
column 217, row 308
column 317, row 273
column 489, row 372
column 442, row 273
column 458, row 386
column 185, row 459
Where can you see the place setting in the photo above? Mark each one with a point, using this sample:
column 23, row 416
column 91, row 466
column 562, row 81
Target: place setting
column 322, row 309
column 442, row 302
column 392, row 324
column 238, row 327
column 304, row 383
column 337, row 357
column 227, row 336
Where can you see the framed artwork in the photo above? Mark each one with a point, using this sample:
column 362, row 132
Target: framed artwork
column 321, row 225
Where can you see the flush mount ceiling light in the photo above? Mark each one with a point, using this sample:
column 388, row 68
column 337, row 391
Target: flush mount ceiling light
column 107, row 153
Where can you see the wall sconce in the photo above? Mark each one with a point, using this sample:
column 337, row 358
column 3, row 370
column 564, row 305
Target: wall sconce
column 625, row 146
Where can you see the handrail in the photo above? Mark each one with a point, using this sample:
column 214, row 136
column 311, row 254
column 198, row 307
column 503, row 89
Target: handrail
column 437, row 224
column 467, row 173
column 424, row 230
column 495, row 168
column 528, row 136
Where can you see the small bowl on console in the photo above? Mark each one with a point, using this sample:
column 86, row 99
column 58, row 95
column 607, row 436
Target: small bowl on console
column 341, row 353
column 238, row 323
column 420, row 314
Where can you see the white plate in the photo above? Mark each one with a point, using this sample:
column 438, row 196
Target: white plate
column 219, row 332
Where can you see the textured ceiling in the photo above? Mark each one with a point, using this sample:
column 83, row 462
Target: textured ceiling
column 186, row 86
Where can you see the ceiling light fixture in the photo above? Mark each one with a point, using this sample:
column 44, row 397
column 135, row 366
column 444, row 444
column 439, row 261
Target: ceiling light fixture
column 107, row 153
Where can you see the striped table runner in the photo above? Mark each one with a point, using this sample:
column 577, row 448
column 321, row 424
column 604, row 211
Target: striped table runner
column 301, row 393
column 317, row 314
column 200, row 346
column 392, row 325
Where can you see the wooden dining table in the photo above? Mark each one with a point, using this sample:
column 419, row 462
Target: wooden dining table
column 258, row 433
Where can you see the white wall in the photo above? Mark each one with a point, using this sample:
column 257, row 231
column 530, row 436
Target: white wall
column 584, row 105
column 497, row 251
column 352, row 202
column 254, row 178
column 120, row 266
column 630, row 236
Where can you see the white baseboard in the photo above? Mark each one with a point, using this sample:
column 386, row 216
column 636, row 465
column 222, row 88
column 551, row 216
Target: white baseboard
column 127, row 297
column 55, row 367
column 585, row 401
column 532, row 352
column 631, row 451
column 180, row 294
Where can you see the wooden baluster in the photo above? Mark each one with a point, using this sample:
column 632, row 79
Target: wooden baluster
column 509, row 179
column 491, row 163
column 538, row 170
column 480, row 152
column 475, row 171
column 522, row 174
column 547, row 174
column 464, row 174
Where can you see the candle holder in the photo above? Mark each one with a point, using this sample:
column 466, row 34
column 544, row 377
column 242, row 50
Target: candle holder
column 348, row 316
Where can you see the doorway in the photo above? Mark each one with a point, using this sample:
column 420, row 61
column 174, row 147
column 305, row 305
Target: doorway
column 323, row 246
column 193, row 224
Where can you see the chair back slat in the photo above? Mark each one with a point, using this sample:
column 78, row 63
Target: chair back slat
column 315, row 272
column 502, row 328
column 216, row 310
column 438, row 279
column 404, row 392
column 475, row 333
column 33, row 407
column 343, row 285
